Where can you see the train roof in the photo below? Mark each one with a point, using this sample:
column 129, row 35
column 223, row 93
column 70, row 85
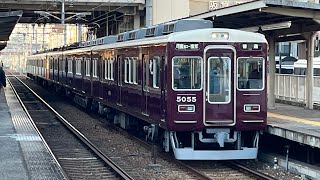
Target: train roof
column 187, row 30
column 198, row 35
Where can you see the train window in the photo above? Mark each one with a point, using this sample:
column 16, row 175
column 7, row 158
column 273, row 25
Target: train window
column 126, row 70
column 134, row 70
column 130, row 70
column 87, row 64
column 219, row 79
column 119, row 63
column 51, row 64
column 62, row 65
column 316, row 72
column 95, row 68
column 55, row 65
column 300, row 71
column 156, row 71
column 250, row 73
column 78, row 66
column 106, row 69
column 111, row 66
column 186, row 73
column 69, row 65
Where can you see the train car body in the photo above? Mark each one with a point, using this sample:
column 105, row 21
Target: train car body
column 200, row 92
column 300, row 67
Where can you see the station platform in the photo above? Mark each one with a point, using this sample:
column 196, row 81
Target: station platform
column 295, row 123
column 23, row 153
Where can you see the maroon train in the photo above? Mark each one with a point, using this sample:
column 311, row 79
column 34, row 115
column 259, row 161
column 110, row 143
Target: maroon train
column 200, row 91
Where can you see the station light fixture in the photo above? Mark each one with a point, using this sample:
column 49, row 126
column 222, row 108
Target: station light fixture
column 282, row 25
column 269, row 27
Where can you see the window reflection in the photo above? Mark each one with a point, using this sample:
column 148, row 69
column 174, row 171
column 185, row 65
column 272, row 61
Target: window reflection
column 187, row 73
column 219, row 79
column 250, row 73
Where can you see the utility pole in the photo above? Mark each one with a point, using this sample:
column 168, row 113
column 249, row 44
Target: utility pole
column 63, row 18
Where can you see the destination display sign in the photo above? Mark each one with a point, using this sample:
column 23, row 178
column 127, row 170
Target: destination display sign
column 187, row 46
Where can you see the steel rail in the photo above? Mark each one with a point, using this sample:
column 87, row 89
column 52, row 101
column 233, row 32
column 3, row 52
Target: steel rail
column 36, row 129
column 258, row 174
column 106, row 159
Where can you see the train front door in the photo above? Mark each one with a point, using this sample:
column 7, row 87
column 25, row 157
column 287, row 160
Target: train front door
column 219, row 91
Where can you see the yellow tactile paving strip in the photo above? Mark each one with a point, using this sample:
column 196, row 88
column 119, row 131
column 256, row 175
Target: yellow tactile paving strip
column 290, row 118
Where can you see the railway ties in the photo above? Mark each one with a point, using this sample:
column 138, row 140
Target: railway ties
column 78, row 158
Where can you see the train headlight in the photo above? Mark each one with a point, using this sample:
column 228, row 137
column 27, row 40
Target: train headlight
column 255, row 46
column 220, row 35
column 244, row 46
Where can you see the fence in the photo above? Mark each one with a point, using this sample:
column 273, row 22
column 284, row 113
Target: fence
column 293, row 88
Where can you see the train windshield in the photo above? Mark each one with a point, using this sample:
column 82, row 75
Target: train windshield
column 219, row 79
column 250, row 73
column 186, row 73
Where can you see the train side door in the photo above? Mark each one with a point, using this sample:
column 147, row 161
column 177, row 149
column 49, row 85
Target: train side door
column 119, row 79
column 145, row 83
column 219, row 92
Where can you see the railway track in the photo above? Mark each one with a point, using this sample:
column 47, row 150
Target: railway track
column 203, row 169
column 79, row 158
column 200, row 170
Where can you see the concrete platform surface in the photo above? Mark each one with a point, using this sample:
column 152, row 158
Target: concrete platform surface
column 23, row 154
column 295, row 123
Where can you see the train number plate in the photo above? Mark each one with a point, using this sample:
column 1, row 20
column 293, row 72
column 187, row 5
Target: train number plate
column 186, row 99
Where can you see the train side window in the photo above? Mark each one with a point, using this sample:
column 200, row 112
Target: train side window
column 78, row 66
column 130, row 70
column 126, row 67
column 70, row 66
column 50, row 64
column 111, row 65
column 120, row 77
column 87, row 65
column 219, row 79
column 55, row 64
column 63, row 65
column 316, row 72
column 250, row 73
column 156, row 71
column 106, row 70
column 134, row 70
column 94, row 68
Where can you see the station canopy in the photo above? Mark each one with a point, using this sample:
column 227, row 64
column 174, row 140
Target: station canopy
column 286, row 20
column 7, row 22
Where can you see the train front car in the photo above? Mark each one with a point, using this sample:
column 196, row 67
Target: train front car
column 216, row 94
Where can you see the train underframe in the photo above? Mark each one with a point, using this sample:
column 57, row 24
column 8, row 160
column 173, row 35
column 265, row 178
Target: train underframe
column 208, row 144
column 212, row 144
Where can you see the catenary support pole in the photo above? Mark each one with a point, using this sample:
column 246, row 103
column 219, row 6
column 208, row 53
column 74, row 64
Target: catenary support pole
column 272, row 73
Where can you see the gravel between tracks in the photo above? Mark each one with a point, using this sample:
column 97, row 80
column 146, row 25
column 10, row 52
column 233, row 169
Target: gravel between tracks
column 125, row 150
